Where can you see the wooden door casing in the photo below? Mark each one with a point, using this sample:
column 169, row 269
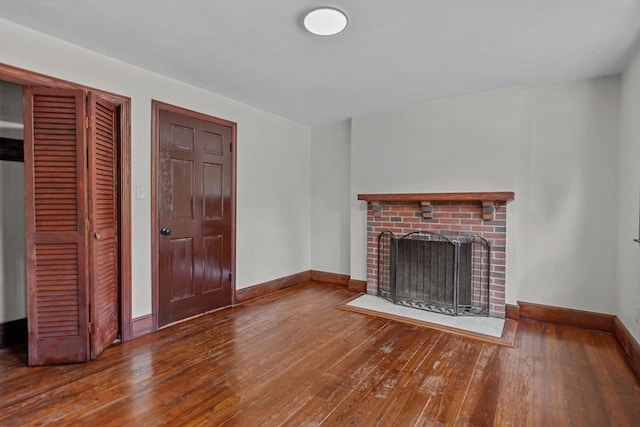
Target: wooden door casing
column 195, row 203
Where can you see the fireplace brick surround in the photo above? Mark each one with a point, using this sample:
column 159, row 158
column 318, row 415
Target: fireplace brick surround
column 452, row 214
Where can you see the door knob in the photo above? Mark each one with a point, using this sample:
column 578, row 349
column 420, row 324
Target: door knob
column 97, row 235
column 165, row 231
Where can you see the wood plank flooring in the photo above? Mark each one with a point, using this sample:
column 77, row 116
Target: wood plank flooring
column 293, row 359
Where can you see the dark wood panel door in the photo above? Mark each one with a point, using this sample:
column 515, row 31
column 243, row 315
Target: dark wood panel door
column 194, row 216
column 55, row 192
column 103, row 217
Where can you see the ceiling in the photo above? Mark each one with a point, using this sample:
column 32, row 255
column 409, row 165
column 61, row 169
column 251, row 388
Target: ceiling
column 393, row 53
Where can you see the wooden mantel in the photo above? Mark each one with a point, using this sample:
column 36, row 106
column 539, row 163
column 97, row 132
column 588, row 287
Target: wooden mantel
column 503, row 196
column 487, row 199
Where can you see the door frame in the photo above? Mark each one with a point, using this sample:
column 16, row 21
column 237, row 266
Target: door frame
column 24, row 77
column 156, row 107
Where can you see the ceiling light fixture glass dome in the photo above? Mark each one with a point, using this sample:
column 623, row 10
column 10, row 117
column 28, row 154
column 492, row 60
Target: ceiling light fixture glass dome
column 325, row 21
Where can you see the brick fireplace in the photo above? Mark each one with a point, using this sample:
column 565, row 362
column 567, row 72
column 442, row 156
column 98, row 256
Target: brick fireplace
column 452, row 214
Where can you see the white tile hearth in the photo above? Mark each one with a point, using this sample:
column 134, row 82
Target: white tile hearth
column 482, row 325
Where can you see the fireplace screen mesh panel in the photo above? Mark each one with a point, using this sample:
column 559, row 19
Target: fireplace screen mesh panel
column 435, row 272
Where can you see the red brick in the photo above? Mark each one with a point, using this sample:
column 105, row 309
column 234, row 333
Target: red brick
column 450, row 221
column 412, row 220
column 446, row 208
column 482, row 228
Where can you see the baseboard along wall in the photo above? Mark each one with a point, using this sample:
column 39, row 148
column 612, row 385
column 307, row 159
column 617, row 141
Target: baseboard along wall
column 142, row 325
column 332, row 278
column 567, row 316
column 357, row 285
column 271, row 286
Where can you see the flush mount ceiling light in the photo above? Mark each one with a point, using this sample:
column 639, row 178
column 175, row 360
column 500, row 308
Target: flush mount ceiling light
column 325, row 21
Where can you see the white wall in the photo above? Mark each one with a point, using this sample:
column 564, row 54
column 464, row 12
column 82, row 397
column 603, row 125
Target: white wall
column 273, row 186
column 330, row 195
column 555, row 146
column 628, row 309
column 568, row 192
column 13, row 287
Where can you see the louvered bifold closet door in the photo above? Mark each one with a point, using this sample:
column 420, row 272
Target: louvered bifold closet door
column 55, row 183
column 103, row 216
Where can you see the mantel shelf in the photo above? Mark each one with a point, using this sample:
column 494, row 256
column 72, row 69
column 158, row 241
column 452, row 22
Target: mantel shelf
column 489, row 200
column 503, row 196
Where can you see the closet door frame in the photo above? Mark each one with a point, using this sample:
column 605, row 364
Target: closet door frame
column 29, row 78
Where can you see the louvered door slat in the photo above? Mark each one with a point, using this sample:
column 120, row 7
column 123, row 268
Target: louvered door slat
column 55, row 220
column 103, row 243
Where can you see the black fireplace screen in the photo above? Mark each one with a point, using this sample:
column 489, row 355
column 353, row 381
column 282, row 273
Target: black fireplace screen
column 435, row 272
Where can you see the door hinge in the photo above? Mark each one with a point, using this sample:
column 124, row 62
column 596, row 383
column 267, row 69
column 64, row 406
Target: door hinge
column 230, row 276
column 231, row 147
column 87, row 122
column 92, row 329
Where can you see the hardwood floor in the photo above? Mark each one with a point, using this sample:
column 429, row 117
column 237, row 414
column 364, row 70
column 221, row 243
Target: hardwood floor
column 294, row 359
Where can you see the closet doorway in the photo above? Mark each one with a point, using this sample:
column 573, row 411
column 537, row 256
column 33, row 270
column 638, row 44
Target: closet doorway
column 77, row 218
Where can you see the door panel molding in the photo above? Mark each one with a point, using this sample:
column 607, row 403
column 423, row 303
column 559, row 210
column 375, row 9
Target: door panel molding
column 30, row 78
column 212, row 146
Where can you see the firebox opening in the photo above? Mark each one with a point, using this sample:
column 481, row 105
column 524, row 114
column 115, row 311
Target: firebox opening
column 434, row 272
